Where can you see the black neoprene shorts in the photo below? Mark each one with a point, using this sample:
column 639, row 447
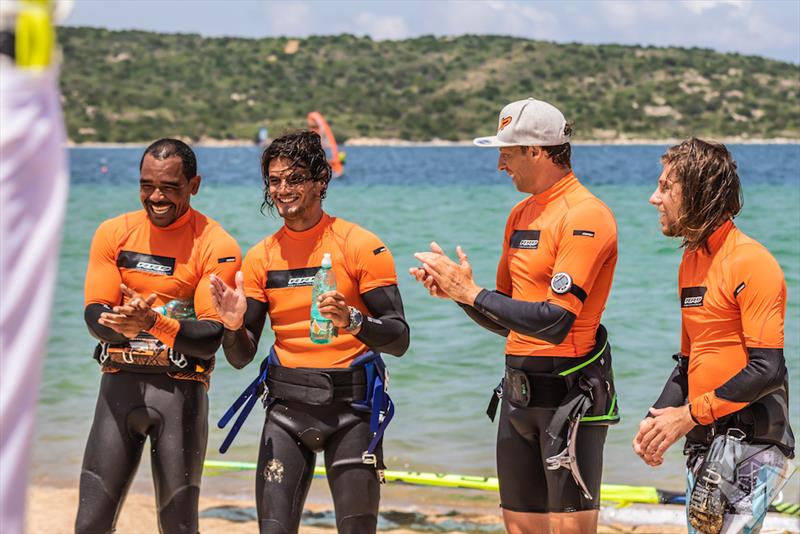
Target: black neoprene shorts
column 526, row 485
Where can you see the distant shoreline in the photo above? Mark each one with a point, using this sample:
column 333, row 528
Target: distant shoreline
column 374, row 142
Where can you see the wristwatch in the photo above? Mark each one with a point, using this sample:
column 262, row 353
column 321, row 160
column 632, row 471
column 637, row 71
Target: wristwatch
column 356, row 318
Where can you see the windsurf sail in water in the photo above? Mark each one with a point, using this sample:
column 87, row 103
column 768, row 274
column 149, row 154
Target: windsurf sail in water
column 317, row 123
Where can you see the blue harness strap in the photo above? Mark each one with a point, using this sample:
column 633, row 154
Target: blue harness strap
column 247, row 398
column 382, row 414
column 377, row 401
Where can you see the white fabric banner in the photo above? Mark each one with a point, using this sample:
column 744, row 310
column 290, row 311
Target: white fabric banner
column 34, row 180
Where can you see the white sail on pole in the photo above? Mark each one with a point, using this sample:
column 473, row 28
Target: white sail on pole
column 33, row 191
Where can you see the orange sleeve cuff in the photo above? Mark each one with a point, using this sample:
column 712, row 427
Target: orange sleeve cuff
column 707, row 408
column 165, row 329
column 702, row 409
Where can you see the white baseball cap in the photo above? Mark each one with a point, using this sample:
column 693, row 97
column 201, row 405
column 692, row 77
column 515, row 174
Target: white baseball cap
column 528, row 122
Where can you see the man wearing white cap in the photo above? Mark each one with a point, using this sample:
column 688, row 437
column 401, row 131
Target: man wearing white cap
column 553, row 280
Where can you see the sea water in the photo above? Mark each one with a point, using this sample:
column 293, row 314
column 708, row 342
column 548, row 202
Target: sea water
column 410, row 197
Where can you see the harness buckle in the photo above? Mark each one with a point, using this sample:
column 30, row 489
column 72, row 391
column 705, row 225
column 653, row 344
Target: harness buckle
column 498, row 391
column 586, row 386
column 103, row 353
column 567, row 458
column 736, row 434
column 265, row 399
column 178, row 359
column 369, row 459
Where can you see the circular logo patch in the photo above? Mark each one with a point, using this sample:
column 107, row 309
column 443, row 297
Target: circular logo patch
column 561, row 283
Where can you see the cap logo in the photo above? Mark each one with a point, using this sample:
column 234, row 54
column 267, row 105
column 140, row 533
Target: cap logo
column 505, row 121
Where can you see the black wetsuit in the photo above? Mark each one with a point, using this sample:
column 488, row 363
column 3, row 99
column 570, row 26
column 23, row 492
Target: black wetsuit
column 130, row 408
column 294, row 432
column 159, row 391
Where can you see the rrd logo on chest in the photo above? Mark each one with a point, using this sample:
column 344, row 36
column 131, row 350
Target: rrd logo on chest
column 146, row 263
column 300, row 281
column 290, row 278
column 525, row 239
column 692, row 297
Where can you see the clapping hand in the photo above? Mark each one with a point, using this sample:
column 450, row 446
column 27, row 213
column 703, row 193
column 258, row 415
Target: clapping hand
column 132, row 317
column 230, row 303
column 427, row 280
column 449, row 279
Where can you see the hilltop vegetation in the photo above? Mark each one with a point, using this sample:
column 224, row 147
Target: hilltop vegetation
column 132, row 86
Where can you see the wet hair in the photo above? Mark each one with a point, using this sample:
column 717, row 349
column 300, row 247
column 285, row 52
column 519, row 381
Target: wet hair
column 166, row 148
column 560, row 154
column 710, row 188
column 303, row 149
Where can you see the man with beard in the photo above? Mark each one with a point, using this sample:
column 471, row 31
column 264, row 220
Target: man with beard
column 728, row 393
column 321, row 397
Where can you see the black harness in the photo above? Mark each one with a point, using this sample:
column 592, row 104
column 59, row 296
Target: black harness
column 317, row 387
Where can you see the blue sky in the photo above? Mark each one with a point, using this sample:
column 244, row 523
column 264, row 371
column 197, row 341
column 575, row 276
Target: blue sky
column 769, row 28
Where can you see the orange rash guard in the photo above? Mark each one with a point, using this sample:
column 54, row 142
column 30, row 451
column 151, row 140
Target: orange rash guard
column 279, row 271
column 174, row 262
column 565, row 229
column 732, row 298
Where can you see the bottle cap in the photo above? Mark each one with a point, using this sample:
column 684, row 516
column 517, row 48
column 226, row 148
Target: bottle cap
column 326, row 260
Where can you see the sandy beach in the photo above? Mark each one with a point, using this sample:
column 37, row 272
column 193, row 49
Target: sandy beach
column 404, row 510
column 52, row 511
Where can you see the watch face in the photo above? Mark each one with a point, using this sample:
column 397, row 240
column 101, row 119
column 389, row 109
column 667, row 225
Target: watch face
column 356, row 318
column 561, row 283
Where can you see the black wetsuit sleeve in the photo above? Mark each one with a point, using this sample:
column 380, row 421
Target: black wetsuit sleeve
column 386, row 329
column 91, row 314
column 200, row 339
column 764, row 373
column 676, row 390
column 240, row 346
column 541, row 320
column 483, row 320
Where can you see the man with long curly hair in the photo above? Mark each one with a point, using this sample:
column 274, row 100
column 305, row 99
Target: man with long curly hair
column 729, row 391
column 322, row 397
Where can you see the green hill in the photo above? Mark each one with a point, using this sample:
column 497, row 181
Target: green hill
column 133, row 86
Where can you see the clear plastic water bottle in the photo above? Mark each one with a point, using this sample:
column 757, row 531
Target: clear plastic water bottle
column 322, row 330
column 177, row 309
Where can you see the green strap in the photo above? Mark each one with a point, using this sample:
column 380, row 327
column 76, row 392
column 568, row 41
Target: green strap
column 584, row 364
column 607, row 417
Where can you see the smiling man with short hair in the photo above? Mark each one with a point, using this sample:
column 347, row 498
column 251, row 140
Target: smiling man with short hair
column 156, row 362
